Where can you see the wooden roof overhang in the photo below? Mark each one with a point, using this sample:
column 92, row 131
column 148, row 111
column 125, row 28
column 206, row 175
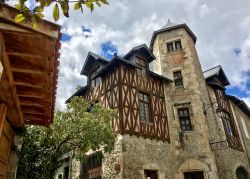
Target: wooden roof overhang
column 30, row 68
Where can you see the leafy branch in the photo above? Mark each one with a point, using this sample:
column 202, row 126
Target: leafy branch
column 37, row 13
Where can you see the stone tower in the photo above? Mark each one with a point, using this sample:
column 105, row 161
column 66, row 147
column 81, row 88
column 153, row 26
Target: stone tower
column 176, row 58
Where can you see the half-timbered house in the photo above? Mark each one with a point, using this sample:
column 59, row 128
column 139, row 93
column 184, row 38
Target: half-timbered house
column 175, row 121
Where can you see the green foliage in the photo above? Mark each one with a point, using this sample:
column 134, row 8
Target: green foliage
column 36, row 13
column 83, row 126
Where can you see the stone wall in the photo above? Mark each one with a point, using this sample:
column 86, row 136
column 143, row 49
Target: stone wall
column 187, row 147
column 245, row 131
column 141, row 154
column 228, row 159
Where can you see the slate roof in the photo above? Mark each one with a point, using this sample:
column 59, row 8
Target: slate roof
column 217, row 72
column 95, row 57
column 241, row 104
column 142, row 47
column 171, row 26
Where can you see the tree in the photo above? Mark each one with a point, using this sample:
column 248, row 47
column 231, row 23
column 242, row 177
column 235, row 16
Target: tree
column 36, row 13
column 83, row 126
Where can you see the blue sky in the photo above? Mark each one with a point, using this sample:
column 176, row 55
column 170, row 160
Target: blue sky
column 221, row 27
column 108, row 49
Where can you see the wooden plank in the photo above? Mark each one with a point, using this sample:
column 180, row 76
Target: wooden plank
column 6, row 65
column 3, row 109
column 20, row 70
column 27, row 84
column 31, row 104
column 25, row 54
column 30, row 95
column 47, row 28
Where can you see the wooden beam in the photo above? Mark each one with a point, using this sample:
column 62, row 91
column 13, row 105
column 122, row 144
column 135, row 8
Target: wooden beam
column 21, row 70
column 8, row 14
column 6, row 65
column 32, row 112
column 37, row 96
column 27, row 84
column 3, row 110
column 31, row 104
column 30, row 55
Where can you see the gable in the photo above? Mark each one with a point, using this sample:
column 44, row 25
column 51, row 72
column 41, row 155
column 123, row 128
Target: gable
column 141, row 50
column 93, row 61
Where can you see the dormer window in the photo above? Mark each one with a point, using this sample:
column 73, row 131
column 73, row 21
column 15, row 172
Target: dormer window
column 174, row 46
column 94, row 81
column 143, row 65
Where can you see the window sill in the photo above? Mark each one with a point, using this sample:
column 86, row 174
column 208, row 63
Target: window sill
column 176, row 51
column 147, row 123
column 179, row 87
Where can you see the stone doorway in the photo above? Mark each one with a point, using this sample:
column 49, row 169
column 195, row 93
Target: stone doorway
column 193, row 175
column 241, row 173
column 150, row 174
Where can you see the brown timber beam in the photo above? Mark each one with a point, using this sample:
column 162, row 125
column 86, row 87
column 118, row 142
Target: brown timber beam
column 30, row 55
column 6, row 65
column 20, row 70
column 27, row 84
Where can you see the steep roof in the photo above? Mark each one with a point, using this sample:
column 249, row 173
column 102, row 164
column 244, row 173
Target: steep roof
column 90, row 60
column 218, row 73
column 241, row 104
column 79, row 92
column 171, row 26
column 142, row 49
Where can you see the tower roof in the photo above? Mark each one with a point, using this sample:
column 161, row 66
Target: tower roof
column 171, row 26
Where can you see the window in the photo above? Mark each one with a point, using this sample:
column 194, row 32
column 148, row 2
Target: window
column 184, row 118
column 60, row 176
column 174, row 46
column 66, row 173
column 95, row 81
column 150, row 174
column 227, row 120
column 177, row 45
column 144, row 107
column 170, row 47
column 92, row 168
column 193, row 175
column 222, row 100
column 178, row 79
column 142, row 64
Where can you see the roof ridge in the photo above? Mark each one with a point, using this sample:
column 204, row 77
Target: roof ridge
column 96, row 54
column 212, row 68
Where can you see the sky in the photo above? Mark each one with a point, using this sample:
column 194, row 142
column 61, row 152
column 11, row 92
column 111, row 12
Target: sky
column 222, row 29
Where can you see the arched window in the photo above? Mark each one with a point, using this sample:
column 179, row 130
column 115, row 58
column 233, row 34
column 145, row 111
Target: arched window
column 241, row 173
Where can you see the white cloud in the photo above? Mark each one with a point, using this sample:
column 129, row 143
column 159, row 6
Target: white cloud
column 221, row 27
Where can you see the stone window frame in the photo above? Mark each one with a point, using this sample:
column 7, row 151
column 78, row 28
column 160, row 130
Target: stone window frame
column 181, row 105
column 179, row 78
column 193, row 165
column 183, row 79
column 173, row 42
column 185, row 118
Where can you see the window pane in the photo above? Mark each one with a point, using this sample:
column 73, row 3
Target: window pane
column 184, row 118
column 177, row 45
column 144, row 107
column 178, row 78
column 170, row 47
